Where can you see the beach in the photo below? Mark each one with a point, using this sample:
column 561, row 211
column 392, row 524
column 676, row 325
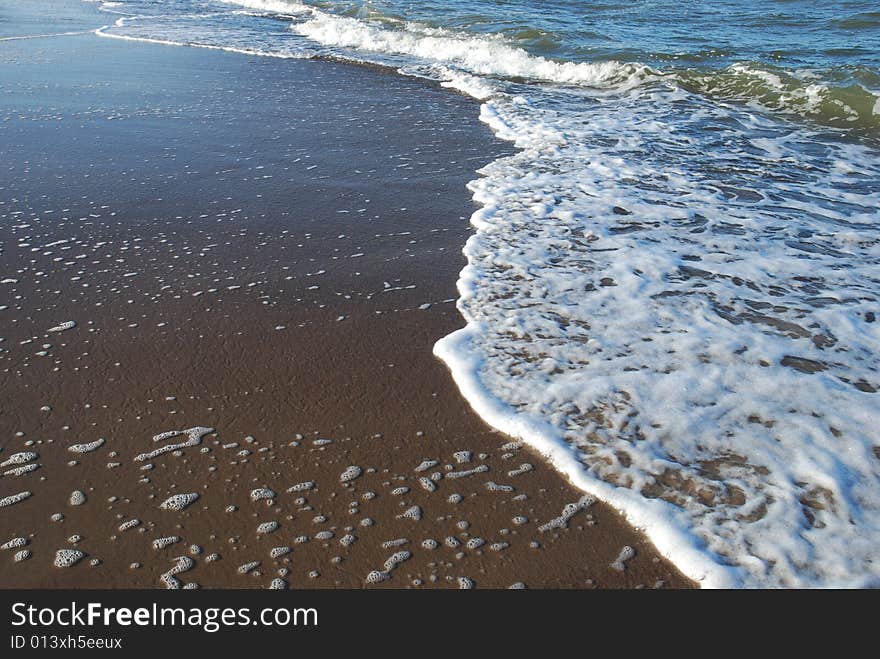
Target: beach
column 257, row 254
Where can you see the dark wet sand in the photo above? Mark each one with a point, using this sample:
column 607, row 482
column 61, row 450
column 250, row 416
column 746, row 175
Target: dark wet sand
column 250, row 246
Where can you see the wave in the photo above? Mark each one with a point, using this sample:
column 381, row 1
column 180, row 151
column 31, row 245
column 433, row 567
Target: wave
column 114, row 31
column 672, row 298
column 481, row 55
column 849, row 106
column 680, row 320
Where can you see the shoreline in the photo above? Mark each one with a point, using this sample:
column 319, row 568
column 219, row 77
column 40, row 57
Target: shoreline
column 186, row 259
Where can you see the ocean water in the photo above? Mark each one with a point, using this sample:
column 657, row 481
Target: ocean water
column 672, row 287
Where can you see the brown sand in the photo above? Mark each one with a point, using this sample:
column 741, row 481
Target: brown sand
column 221, row 327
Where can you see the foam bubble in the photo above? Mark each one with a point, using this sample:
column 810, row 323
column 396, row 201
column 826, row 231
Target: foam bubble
column 350, row 474
column 179, row 501
column 193, row 438
column 19, row 458
column 262, row 493
column 569, row 511
column 15, row 543
column 67, row 557
column 377, row 576
column 485, row 55
column 20, row 471
column 469, row 472
column 247, row 567
column 627, row 553
column 61, row 327
column 267, row 527
column 396, row 559
column 12, row 499
column 162, row 543
column 522, row 469
column 86, row 448
column 413, row 512
column 169, row 578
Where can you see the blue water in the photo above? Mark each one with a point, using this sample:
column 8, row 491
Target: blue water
column 792, row 34
column 673, row 284
column 702, row 44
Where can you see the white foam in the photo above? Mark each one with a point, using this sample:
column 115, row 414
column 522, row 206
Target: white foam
column 262, row 493
column 12, row 499
column 479, row 469
column 377, row 576
column 352, row 472
column 396, row 559
column 179, row 501
column 267, row 527
column 413, row 512
column 247, row 567
column 193, row 438
column 652, row 332
column 569, row 511
column 181, row 564
column 66, row 325
column 162, row 543
column 67, row 557
column 86, row 448
column 483, row 55
column 15, row 543
column 21, row 471
column 19, row 458
column 626, row 554
column 278, row 584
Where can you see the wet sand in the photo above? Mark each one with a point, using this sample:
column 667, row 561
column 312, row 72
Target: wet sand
column 267, row 248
